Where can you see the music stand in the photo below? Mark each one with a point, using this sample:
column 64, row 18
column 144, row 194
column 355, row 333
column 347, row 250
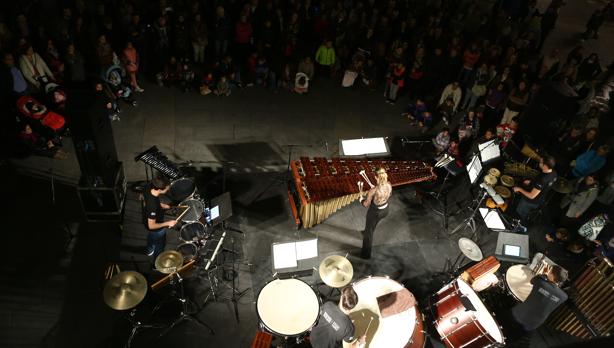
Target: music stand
column 489, row 151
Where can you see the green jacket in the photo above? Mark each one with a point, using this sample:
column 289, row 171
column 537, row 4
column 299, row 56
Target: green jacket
column 325, row 56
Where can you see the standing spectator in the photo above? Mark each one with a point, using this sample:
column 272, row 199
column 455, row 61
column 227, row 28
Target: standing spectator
column 34, row 68
column 577, row 202
column 593, row 24
column 590, row 161
column 588, row 70
column 199, row 38
column 161, row 43
column 104, row 53
column 453, row 92
column 517, row 99
column 395, row 83
column 548, row 23
column 14, row 77
column 506, row 132
column 131, row 64
column 52, row 57
column 243, row 37
column 442, row 140
column 470, row 58
column 326, row 58
column 75, row 68
column 221, row 32
column 181, row 38
column 306, row 66
column 477, row 88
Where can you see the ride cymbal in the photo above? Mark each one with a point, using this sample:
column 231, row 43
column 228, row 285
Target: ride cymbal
column 562, row 185
column 169, row 261
column 470, row 249
column 336, row 271
column 125, row 290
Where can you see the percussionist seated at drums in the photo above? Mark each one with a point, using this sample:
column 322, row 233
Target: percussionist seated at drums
column 335, row 325
column 544, row 298
column 154, row 211
column 534, row 191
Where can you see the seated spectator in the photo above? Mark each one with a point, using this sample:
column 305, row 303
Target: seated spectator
column 38, row 145
column 301, row 83
column 112, row 107
column 445, row 111
column 170, row 75
column 418, row 114
column 223, row 87
column 34, row 68
column 454, row 148
column 494, row 101
column 207, row 85
column 452, row 91
column 52, row 57
column 469, row 125
column 261, row 71
column 14, row 77
column 506, row 132
column 588, row 140
column 186, row 75
column 395, row 82
column 517, row 100
column 590, row 161
column 442, row 141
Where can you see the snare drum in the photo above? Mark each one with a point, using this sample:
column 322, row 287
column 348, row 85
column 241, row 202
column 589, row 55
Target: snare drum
column 518, row 281
column 403, row 329
column 182, row 189
column 188, row 250
column 460, row 326
column 287, row 307
column 192, row 232
column 196, row 209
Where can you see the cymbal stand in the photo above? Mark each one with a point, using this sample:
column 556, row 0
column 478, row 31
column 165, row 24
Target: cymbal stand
column 470, row 221
column 137, row 326
column 184, row 315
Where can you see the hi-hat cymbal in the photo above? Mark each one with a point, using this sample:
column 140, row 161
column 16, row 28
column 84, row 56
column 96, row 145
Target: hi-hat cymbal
column 470, row 249
column 336, row 271
column 169, row 261
column 125, row 290
column 562, row 185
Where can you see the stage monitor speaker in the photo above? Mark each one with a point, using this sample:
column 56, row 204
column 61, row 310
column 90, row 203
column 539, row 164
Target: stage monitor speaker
column 512, row 247
column 92, row 136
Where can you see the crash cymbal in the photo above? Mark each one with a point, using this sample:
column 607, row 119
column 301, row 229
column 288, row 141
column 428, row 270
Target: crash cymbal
column 507, row 180
column 490, row 180
column 494, row 172
column 562, row 185
column 125, row 290
column 169, row 261
column 336, row 271
column 503, row 191
column 470, row 249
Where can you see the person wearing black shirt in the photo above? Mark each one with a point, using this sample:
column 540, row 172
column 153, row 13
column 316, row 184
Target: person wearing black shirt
column 154, row 214
column 544, row 298
column 534, row 192
column 335, row 325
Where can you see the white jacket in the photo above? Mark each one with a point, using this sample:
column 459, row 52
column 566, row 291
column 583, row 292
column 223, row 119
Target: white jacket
column 30, row 70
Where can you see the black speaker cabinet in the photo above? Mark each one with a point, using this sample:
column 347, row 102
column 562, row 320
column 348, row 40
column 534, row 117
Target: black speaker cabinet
column 103, row 202
column 92, row 136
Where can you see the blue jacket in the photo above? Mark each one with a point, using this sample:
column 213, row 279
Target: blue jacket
column 588, row 163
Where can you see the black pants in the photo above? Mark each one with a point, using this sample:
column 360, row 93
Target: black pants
column 374, row 215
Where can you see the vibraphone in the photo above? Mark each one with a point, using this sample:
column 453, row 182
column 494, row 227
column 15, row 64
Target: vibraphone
column 589, row 312
column 326, row 185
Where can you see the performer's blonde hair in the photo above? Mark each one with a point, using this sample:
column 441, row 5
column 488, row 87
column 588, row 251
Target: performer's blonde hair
column 382, row 177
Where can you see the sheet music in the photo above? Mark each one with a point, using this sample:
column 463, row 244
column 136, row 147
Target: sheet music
column 307, row 249
column 284, row 255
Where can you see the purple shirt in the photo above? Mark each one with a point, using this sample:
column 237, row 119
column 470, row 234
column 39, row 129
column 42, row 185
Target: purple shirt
column 19, row 83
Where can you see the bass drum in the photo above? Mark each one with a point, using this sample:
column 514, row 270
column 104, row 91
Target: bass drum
column 404, row 329
column 462, row 319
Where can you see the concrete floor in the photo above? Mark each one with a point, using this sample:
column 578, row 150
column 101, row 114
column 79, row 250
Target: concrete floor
column 252, row 129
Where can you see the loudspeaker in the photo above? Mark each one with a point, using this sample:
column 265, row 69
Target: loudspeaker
column 92, row 136
column 512, row 247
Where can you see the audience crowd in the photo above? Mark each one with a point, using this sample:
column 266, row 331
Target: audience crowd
column 471, row 66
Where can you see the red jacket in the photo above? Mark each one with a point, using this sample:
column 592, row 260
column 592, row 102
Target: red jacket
column 243, row 32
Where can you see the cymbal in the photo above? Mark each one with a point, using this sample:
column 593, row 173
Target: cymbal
column 470, row 249
column 169, row 261
column 562, row 185
column 125, row 290
column 336, row 271
column 494, row 172
column 503, row 191
column 490, row 180
column 507, row 180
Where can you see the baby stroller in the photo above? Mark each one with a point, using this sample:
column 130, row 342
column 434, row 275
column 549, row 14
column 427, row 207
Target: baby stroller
column 34, row 110
column 114, row 78
column 54, row 94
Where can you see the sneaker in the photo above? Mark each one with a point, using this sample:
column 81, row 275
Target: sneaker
column 149, row 252
column 139, row 89
column 520, row 229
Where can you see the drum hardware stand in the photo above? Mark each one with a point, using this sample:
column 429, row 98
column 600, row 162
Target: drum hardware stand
column 184, row 315
column 470, row 221
column 137, row 326
column 442, row 198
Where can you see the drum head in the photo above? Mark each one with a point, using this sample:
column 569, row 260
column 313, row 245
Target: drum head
column 503, row 192
column 485, row 282
column 192, row 232
column 196, row 209
column 482, row 314
column 392, row 331
column 182, row 189
column 494, row 172
column 288, row 307
column 188, row 251
column 518, row 281
column 490, row 180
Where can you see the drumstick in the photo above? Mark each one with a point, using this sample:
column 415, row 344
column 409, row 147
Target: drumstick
column 183, row 213
column 368, row 326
